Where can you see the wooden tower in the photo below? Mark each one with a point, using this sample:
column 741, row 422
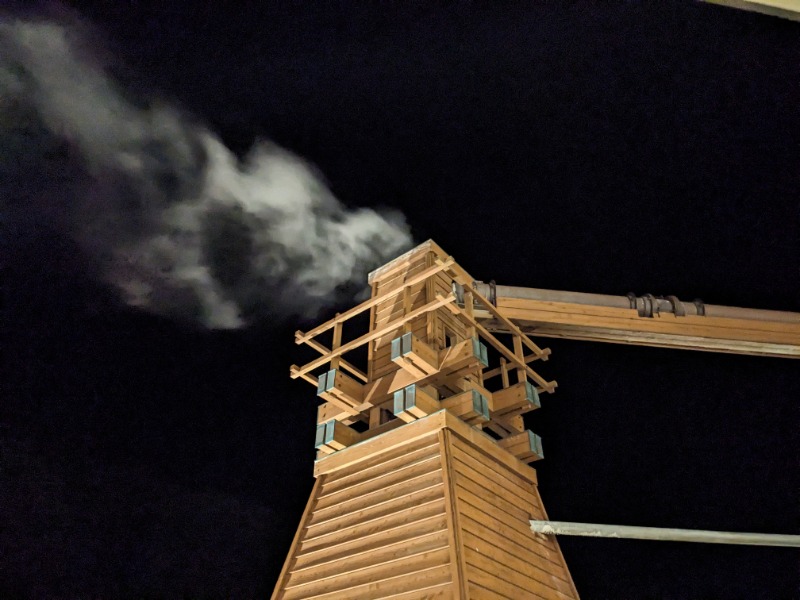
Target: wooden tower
column 422, row 484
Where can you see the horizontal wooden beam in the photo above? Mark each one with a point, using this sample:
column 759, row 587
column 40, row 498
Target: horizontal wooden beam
column 624, row 325
column 547, row 386
column 440, row 301
column 300, row 337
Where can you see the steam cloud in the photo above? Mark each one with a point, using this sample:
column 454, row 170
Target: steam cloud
column 170, row 216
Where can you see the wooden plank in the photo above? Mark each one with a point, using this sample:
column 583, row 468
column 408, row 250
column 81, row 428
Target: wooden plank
column 380, row 457
column 498, row 462
column 693, row 325
column 527, row 564
column 548, row 386
column 400, row 572
column 347, row 564
column 342, row 363
column 382, row 483
column 357, row 531
column 398, row 437
column 296, row 371
column 490, row 581
column 277, row 593
column 505, row 577
column 380, row 539
column 493, row 483
column 301, row 337
column 428, row 447
column 442, row 591
column 457, row 562
column 365, row 501
column 488, row 527
column 375, row 511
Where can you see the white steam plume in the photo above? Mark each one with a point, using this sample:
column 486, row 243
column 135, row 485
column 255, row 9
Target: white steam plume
column 177, row 223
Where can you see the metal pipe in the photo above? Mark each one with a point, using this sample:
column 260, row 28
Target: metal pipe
column 646, row 305
column 664, row 534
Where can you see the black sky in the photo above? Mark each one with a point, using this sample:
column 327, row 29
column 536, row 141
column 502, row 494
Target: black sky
column 646, row 147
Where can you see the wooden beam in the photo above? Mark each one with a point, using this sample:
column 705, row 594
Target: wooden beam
column 440, row 301
column 353, row 370
column 547, row 386
column 300, row 337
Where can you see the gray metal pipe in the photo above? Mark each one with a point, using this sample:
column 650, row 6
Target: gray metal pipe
column 646, row 305
column 664, row 534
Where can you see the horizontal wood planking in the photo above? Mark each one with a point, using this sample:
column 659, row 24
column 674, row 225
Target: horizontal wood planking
column 353, row 562
column 403, row 565
column 406, row 533
column 373, row 449
column 392, row 586
column 421, row 476
column 424, row 448
column 398, row 518
column 378, row 510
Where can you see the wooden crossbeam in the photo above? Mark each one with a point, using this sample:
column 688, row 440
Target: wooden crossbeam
column 547, row 386
column 440, row 301
column 487, row 305
column 300, row 337
column 353, row 370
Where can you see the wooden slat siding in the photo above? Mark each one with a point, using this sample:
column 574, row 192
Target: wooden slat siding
column 488, row 579
column 391, row 587
column 382, row 455
column 394, row 280
column 382, row 481
column 421, row 479
column 421, row 449
column 480, row 513
column 404, row 565
column 353, row 562
column 513, row 520
column 477, row 592
column 396, row 542
column 376, row 511
column 457, row 564
column 496, row 565
column 514, row 562
column 409, row 514
column 443, row 591
column 288, row 564
column 498, row 480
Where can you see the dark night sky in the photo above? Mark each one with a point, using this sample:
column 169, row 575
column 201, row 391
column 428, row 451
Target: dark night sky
column 646, row 147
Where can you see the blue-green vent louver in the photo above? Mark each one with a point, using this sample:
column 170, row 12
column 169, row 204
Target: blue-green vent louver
column 535, row 443
column 324, row 433
column 326, row 381
column 401, row 345
column 405, row 398
column 532, row 395
column 480, row 352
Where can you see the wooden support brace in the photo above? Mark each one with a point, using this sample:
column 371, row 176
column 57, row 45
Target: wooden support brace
column 505, row 426
column 334, row 435
column 516, row 399
column 301, row 337
column 440, row 301
column 334, row 386
column 470, row 406
column 414, row 355
column 526, row 446
column 412, row 403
